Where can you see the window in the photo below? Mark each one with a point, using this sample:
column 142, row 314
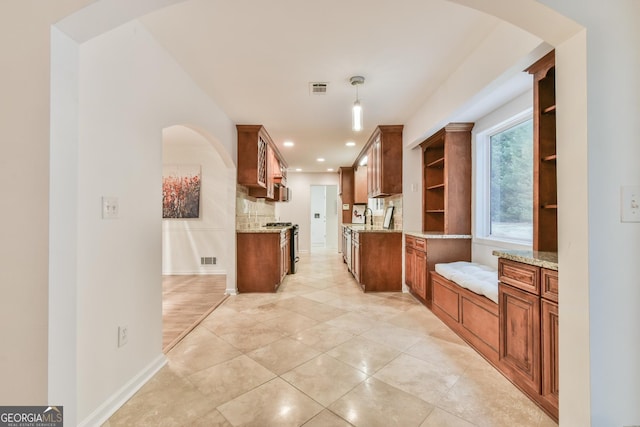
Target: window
column 507, row 169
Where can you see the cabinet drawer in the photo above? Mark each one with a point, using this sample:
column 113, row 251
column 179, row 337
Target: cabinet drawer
column 410, row 241
column 519, row 275
column 549, row 284
column 421, row 244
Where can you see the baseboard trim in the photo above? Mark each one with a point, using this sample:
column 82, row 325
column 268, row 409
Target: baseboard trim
column 120, row 397
column 195, row 273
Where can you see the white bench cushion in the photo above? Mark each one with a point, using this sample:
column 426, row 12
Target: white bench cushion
column 477, row 278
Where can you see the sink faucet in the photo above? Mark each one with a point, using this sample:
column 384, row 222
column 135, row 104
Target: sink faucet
column 370, row 216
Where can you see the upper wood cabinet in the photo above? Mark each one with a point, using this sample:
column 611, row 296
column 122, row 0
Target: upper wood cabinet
column 446, row 166
column 261, row 167
column 545, row 198
column 384, row 161
column 346, row 191
column 360, row 192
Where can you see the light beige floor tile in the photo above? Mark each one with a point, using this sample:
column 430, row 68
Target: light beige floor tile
column 363, row 354
column 355, row 323
column 450, row 357
column 170, row 404
column 250, row 338
column 376, row 404
column 393, row 336
column 230, row 379
column 291, row 323
column 320, row 296
column 199, row 350
column 212, row 419
column 489, row 399
column 275, row 403
column 327, row 418
column 440, row 418
column 324, row 378
column 419, row 378
column 323, row 337
column 283, row 355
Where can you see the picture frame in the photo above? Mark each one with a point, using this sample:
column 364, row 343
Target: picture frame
column 358, row 214
column 181, row 191
column 387, row 223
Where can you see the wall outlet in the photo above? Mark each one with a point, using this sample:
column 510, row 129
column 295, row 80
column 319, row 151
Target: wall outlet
column 630, row 203
column 123, row 335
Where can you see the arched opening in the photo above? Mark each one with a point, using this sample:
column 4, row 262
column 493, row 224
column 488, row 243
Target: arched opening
column 195, row 256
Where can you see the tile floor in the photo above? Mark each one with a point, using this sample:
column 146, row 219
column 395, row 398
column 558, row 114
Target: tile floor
column 322, row 353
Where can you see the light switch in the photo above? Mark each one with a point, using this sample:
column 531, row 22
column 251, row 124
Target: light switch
column 630, row 203
column 110, row 208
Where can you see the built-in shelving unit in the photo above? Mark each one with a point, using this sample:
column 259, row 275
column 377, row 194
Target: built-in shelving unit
column 447, row 180
column 545, row 196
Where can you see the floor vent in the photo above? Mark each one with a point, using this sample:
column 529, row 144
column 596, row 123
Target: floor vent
column 318, row 88
column 207, row 260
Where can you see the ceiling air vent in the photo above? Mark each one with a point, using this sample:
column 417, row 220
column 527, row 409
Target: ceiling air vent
column 318, row 88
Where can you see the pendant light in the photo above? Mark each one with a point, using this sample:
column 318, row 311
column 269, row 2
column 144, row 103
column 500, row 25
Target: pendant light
column 356, row 118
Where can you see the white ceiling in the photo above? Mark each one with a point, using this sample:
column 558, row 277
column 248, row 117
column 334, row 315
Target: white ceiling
column 257, row 58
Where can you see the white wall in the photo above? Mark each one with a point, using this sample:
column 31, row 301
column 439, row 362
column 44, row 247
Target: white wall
column 298, row 209
column 130, row 89
column 185, row 241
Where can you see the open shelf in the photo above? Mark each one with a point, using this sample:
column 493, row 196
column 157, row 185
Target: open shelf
column 436, row 187
column 549, row 110
column 438, row 163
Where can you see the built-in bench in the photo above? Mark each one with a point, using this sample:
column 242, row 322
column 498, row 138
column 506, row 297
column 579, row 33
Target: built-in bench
column 465, row 298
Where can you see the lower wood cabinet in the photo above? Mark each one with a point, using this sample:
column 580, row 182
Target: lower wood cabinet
column 528, row 311
column 550, row 379
column 262, row 260
column 520, row 336
column 423, row 253
column 377, row 260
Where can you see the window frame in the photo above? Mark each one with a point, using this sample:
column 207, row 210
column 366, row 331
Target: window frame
column 483, row 179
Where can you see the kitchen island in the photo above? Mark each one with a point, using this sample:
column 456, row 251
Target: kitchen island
column 374, row 256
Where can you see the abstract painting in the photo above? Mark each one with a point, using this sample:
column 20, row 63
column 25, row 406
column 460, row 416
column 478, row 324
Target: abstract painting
column 181, row 191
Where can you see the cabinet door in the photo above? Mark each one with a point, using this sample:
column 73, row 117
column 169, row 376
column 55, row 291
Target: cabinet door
column 550, row 383
column 420, row 274
column 520, row 336
column 355, row 257
column 409, row 266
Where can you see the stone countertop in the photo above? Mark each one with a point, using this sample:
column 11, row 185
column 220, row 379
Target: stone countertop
column 538, row 258
column 364, row 228
column 433, row 235
column 264, row 229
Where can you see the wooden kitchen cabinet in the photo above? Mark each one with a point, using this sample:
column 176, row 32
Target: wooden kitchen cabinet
column 446, row 183
column 520, row 336
column 377, row 260
column 260, row 163
column 346, row 191
column 545, row 195
column 423, row 253
column 529, row 332
column 384, row 163
column 361, row 194
column 262, row 260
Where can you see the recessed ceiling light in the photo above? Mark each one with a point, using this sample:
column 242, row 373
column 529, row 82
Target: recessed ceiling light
column 350, row 144
column 330, row 170
column 288, row 144
column 320, row 159
column 298, row 170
